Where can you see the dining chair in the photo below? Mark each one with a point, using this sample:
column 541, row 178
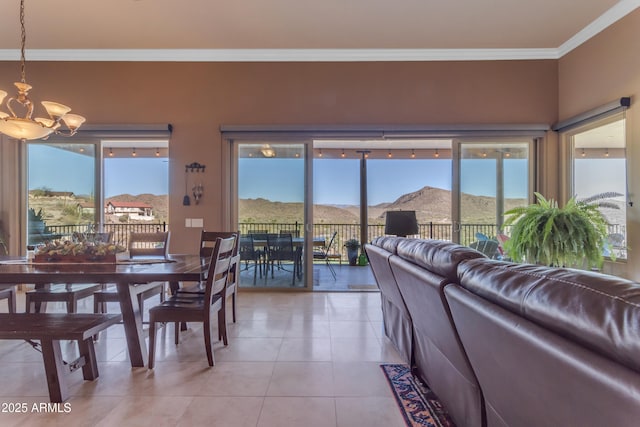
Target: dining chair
column 10, row 295
column 199, row 308
column 104, row 237
column 323, row 254
column 70, row 294
column 208, row 240
column 140, row 245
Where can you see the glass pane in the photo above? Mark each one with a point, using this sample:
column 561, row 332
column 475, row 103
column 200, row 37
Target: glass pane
column 421, row 184
column 61, row 184
column 336, row 220
column 271, row 189
column 494, row 177
column 600, row 177
column 136, row 191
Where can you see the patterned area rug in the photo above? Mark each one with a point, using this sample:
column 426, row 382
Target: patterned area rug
column 418, row 404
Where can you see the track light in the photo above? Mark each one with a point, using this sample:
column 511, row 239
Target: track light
column 436, row 155
column 133, row 153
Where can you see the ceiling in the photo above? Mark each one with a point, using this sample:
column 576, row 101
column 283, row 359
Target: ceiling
column 215, row 30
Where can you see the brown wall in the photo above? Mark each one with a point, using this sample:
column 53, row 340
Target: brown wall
column 602, row 70
column 197, row 98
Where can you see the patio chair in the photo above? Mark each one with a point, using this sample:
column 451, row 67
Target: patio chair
column 323, row 254
column 141, row 245
column 487, row 247
column 249, row 254
column 280, row 248
column 188, row 308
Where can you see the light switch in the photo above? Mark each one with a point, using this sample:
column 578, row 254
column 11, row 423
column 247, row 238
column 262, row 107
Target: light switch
column 187, row 222
column 197, row 222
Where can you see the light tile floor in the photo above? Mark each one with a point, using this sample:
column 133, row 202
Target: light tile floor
column 294, row 359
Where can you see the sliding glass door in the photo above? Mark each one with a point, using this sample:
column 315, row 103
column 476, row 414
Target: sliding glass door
column 271, row 214
column 492, row 177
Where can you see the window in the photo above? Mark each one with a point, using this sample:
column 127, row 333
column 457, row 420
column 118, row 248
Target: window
column 599, row 174
column 90, row 184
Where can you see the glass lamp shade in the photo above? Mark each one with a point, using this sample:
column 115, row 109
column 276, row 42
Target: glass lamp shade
column 54, row 109
column 50, row 123
column 23, row 129
column 2, row 95
column 401, row 223
column 73, row 121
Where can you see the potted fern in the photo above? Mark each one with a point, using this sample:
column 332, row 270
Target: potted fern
column 543, row 233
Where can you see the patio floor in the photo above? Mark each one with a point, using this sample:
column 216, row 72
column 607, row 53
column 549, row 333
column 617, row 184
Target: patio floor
column 348, row 278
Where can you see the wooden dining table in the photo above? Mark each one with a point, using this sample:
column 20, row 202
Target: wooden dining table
column 131, row 278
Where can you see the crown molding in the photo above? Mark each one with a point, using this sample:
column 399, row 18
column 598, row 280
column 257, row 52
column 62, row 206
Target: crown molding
column 278, row 55
column 620, row 10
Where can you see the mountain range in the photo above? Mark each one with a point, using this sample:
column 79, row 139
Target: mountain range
column 431, row 205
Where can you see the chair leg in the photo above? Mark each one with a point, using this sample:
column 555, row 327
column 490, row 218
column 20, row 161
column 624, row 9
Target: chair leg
column 177, row 333
column 11, row 301
column 72, row 305
column 152, row 343
column 141, row 304
column 234, row 303
column 222, row 327
column 206, row 327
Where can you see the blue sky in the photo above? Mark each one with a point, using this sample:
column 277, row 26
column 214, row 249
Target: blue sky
column 61, row 170
column 336, row 181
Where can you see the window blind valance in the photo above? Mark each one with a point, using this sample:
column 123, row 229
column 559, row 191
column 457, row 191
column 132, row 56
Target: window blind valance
column 286, row 132
column 126, row 130
column 604, row 110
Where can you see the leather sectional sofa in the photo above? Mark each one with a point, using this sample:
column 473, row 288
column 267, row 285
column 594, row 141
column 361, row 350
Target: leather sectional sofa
column 505, row 344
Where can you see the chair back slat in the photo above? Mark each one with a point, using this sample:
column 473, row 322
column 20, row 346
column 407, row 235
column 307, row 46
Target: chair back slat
column 92, row 237
column 149, row 244
column 219, row 266
column 207, row 244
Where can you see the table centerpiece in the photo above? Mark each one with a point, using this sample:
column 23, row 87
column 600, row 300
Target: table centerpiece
column 79, row 252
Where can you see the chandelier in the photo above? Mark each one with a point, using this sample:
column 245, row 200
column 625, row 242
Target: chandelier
column 22, row 126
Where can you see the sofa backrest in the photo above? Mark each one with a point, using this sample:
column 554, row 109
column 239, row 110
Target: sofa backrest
column 598, row 311
column 397, row 321
column 438, row 256
column 422, row 268
column 549, row 346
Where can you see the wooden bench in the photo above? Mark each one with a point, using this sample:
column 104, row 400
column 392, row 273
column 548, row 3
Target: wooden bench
column 49, row 329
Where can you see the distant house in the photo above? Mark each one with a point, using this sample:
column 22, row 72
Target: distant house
column 135, row 210
column 86, row 208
